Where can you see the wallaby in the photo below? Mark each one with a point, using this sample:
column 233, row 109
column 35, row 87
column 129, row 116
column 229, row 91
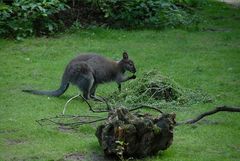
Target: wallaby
column 87, row 71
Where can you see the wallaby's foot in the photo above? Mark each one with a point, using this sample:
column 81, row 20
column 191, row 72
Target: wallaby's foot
column 94, row 98
column 86, row 96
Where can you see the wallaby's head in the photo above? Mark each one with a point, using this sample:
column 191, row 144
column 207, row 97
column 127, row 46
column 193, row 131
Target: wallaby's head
column 127, row 64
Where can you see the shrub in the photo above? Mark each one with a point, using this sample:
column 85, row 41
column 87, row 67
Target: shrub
column 22, row 18
column 192, row 3
column 145, row 13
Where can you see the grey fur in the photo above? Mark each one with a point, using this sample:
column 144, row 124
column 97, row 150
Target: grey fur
column 90, row 70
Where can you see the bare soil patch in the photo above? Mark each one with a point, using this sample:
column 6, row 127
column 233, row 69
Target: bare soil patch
column 27, row 159
column 74, row 157
column 8, row 131
column 65, row 129
column 100, row 157
column 14, row 141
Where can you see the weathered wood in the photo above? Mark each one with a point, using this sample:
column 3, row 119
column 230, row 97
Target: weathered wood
column 129, row 135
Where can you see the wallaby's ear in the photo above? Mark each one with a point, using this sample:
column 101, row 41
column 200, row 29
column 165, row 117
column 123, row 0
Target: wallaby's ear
column 125, row 55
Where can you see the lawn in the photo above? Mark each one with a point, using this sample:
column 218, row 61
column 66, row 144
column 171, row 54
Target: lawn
column 206, row 59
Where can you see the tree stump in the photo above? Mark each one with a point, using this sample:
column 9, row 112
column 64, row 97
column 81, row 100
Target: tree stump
column 134, row 135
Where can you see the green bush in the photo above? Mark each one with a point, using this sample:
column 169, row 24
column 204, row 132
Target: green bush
column 145, row 13
column 22, row 18
column 192, row 3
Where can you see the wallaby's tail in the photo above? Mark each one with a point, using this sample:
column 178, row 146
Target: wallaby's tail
column 63, row 87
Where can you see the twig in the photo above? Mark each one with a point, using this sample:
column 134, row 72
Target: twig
column 102, row 99
column 108, row 106
column 90, row 107
column 145, row 106
column 211, row 112
column 65, row 106
column 75, row 116
column 51, row 119
column 82, row 123
column 78, row 123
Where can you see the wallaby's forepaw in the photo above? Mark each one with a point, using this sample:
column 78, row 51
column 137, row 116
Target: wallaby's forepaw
column 119, row 87
column 133, row 77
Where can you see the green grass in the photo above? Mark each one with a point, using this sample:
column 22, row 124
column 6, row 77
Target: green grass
column 194, row 59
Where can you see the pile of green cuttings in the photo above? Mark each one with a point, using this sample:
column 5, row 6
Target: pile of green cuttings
column 156, row 89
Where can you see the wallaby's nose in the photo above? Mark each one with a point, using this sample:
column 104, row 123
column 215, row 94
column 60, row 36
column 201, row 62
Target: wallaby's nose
column 134, row 70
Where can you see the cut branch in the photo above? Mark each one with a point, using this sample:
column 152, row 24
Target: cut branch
column 91, row 109
column 65, row 106
column 145, row 106
column 79, row 122
column 211, row 112
column 55, row 119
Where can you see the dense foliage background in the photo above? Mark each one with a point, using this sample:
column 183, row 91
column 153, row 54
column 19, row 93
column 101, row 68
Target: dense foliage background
column 22, row 18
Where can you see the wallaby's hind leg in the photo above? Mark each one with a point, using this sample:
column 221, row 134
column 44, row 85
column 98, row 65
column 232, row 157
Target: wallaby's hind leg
column 85, row 83
column 93, row 90
column 93, row 95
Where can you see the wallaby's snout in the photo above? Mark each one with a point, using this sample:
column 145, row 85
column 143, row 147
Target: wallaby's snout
column 133, row 70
